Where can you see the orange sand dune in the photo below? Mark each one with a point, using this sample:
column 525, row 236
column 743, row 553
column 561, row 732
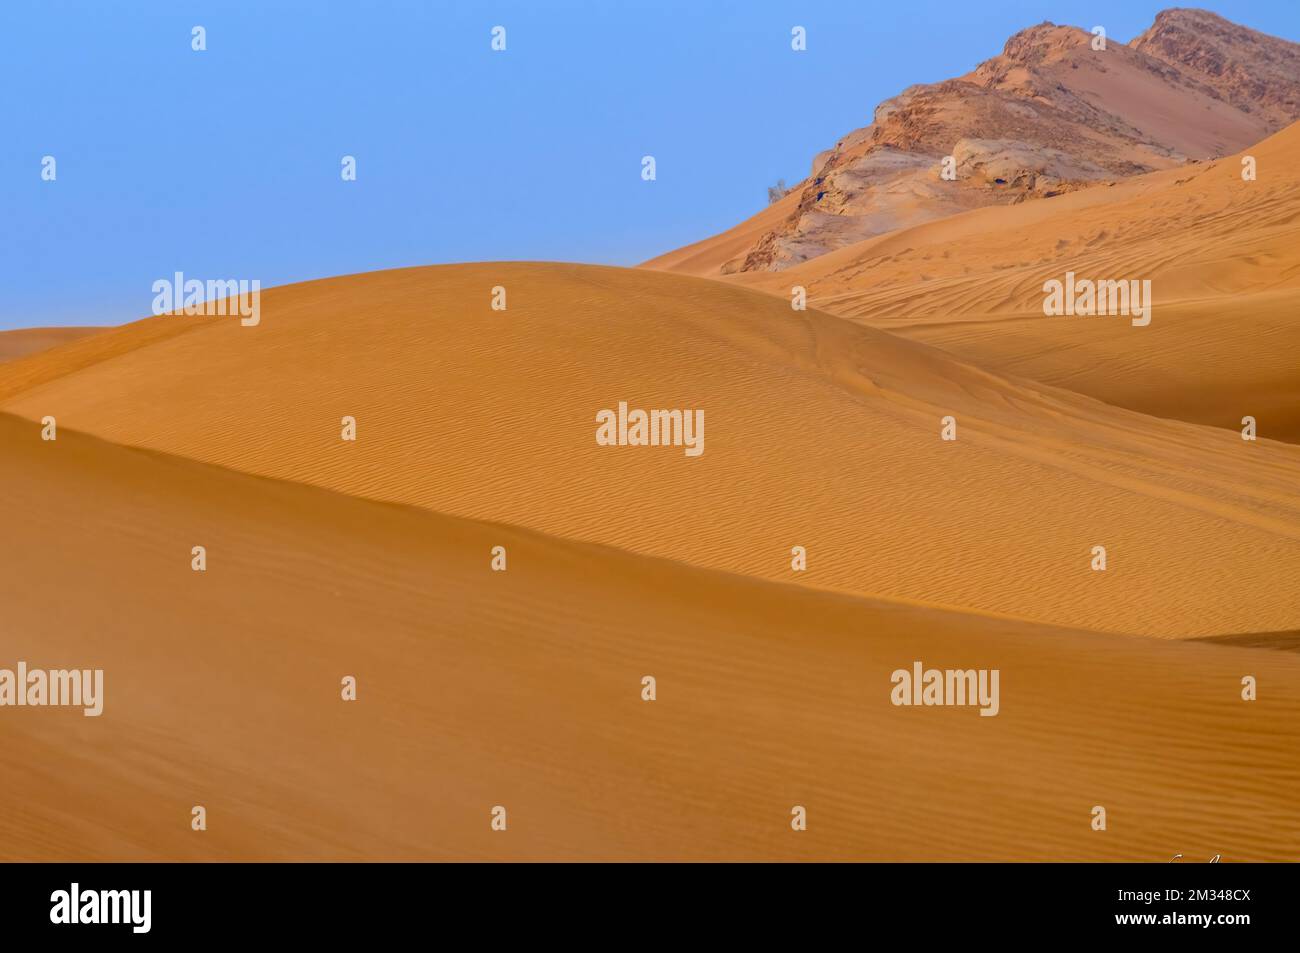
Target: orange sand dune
column 522, row 689
column 26, row 341
column 819, row 433
column 1222, row 255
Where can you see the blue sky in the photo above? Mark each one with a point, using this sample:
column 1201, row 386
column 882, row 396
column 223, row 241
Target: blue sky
column 225, row 163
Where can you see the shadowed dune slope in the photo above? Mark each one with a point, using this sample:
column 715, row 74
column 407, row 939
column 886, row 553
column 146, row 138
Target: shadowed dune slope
column 819, row 433
column 1222, row 256
column 522, row 689
column 1277, row 641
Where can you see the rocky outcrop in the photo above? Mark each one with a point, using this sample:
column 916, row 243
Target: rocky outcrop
column 1057, row 110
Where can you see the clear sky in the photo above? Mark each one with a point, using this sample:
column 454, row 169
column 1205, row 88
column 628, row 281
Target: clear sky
column 225, row 163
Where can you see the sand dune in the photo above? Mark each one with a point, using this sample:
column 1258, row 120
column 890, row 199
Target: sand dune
column 26, row 341
column 820, row 433
column 522, row 689
column 1222, row 255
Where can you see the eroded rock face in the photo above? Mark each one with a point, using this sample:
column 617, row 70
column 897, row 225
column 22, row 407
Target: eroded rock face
column 1052, row 113
column 1257, row 73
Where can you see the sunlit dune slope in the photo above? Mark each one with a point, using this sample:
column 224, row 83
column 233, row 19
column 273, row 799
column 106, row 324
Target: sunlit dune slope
column 819, row 433
column 522, row 689
column 1222, row 256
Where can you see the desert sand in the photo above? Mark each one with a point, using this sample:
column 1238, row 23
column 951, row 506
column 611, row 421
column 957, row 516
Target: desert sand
column 819, row 433
column 522, row 689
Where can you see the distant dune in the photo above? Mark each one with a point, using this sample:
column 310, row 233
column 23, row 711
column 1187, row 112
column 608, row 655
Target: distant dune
column 819, row 433
column 26, row 341
column 522, row 689
column 1222, row 255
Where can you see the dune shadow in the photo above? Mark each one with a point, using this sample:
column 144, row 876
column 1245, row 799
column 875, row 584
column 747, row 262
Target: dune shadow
column 1277, row 641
